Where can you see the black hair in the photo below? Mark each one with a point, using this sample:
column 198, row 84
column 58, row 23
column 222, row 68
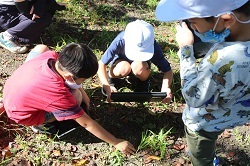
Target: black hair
column 79, row 60
column 209, row 19
column 244, row 9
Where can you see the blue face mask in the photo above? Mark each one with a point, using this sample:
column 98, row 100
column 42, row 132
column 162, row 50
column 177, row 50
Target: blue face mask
column 212, row 37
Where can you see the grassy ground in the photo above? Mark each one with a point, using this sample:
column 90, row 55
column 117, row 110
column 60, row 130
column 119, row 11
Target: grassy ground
column 159, row 138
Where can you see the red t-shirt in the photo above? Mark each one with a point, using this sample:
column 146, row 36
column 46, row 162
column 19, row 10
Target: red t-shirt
column 35, row 88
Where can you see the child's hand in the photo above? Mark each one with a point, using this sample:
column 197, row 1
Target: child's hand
column 184, row 36
column 168, row 98
column 61, row 3
column 109, row 89
column 125, row 147
column 34, row 15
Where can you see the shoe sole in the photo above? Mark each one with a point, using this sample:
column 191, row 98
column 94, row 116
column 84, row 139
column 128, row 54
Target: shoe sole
column 2, row 45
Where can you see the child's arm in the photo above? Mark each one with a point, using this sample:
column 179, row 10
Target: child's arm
column 103, row 76
column 166, row 83
column 85, row 97
column 97, row 130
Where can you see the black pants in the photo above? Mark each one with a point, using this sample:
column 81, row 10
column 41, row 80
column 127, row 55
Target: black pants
column 21, row 26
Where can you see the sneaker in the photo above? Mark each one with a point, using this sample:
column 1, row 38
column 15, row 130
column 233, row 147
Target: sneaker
column 132, row 79
column 12, row 45
column 142, row 86
column 56, row 128
column 44, row 129
column 216, row 161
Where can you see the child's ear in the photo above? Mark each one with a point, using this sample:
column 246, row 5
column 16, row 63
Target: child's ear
column 68, row 76
column 229, row 20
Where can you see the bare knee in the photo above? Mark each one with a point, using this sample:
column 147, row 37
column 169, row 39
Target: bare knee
column 140, row 70
column 41, row 48
column 120, row 69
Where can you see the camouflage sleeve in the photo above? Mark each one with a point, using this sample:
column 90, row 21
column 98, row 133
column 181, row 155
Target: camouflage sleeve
column 197, row 86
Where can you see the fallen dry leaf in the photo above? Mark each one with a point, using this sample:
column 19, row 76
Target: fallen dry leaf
column 95, row 85
column 154, row 158
column 231, row 154
column 178, row 147
column 6, row 153
column 150, row 158
column 81, row 162
column 57, row 153
column 226, row 134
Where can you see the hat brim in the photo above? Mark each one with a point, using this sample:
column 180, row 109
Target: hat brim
column 169, row 10
column 173, row 10
column 136, row 54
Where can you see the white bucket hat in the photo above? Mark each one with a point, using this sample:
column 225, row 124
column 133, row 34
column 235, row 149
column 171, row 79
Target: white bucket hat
column 139, row 41
column 171, row 10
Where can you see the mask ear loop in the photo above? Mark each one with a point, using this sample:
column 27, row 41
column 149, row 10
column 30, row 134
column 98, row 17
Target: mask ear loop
column 243, row 22
column 216, row 23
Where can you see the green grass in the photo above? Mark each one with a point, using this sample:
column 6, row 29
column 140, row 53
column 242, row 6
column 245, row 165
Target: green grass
column 241, row 140
column 155, row 142
column 115, row 158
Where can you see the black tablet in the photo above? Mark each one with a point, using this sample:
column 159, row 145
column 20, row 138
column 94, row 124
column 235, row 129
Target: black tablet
column 201, row 49
column 137, row 96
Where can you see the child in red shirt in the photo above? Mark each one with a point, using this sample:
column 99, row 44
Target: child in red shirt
column 49, row 89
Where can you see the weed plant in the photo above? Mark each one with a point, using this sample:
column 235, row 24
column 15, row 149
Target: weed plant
column 155, row 142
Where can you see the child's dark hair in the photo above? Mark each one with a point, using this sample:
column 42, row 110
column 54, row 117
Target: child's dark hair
column 79, row 60
column 244, row 9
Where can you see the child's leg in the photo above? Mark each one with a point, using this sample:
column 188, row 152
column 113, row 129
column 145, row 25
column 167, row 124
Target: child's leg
column 37, row 50
column 140, row 70
column 201, row 146
column 78, row 95
column 26, row 30
column 8, row 15
column 120, row 69
column 49, row 117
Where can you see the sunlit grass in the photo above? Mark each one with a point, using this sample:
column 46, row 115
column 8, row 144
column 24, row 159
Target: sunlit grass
column 155, row 142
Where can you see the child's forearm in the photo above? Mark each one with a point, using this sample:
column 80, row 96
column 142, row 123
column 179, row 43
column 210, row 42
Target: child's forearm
column 167, row 79
column 96, row 129
column 85, row 97
column 101, row 133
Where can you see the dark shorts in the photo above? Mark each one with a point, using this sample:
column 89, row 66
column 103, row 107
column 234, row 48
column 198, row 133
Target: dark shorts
column 114, row 62
column 49, row 117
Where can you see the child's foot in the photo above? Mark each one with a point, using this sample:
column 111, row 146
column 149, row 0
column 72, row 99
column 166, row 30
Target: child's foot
column 216, row 161
column 11, row 45
column 48, row 128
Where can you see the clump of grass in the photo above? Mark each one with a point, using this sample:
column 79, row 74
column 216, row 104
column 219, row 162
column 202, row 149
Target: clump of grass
column 243, row 140
column 156, row 142
column 115, row 158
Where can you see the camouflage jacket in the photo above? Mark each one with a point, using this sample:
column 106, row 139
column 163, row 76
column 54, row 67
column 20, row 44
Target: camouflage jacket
column 217, row 88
